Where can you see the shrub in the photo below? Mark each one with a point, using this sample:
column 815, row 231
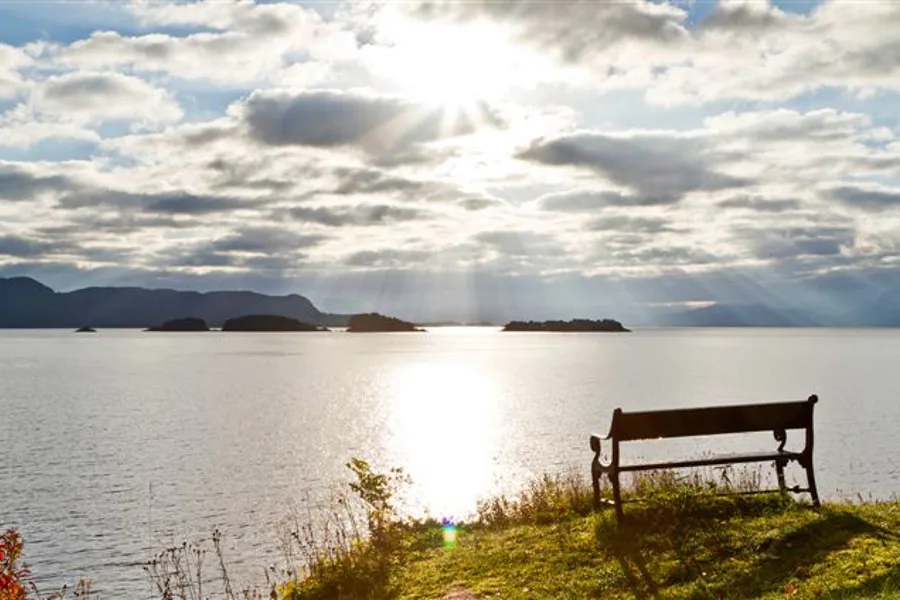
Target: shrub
column 11, row 574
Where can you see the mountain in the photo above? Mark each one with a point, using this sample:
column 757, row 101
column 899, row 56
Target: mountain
column 884, row 312
column 27, row 303
column 738, row 315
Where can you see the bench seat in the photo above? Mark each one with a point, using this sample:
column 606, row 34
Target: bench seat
column 721, row 459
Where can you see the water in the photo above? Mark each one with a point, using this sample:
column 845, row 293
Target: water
column 116, row 443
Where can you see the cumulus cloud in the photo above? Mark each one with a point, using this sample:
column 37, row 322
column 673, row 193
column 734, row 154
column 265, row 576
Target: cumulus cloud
column 758, row 52
column 476, row 203
column 21, row 184
column 376, row 124
column 12, row 61
column 775, row 243
column 372, row 181
column 178, row 202
column 626, row 223
column 95, row 97
column 746, row 16
column 252, row 247
column 19, row 133
column 581, row 31
column 360, row 214
column 250, row 42
column 742, row 49
column 25, row 247
column 761, row 204
column 266, row 240
column 589, row 200
column 650, row 164
column 870, row 198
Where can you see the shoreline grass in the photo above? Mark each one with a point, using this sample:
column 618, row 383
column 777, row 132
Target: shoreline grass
column 684, row 540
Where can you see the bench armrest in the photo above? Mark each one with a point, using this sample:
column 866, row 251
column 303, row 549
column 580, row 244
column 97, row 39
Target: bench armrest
column 595, row 441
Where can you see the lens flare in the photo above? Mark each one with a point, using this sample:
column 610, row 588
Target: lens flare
column 449, row 535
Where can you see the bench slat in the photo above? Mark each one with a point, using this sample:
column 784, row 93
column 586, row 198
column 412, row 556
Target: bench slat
column 724, row 459
column 711, row 420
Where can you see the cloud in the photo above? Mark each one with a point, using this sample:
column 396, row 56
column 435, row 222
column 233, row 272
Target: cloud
column 476, row 203
column 578, row 33
column 266, row 240
column 387, row 258
column 24, row 247
column 371, row 181
column 376, row 124
column 589, row 200
column 361, row 214
column 655, row 165
column 520, row 243
column 745, row 16
column 92, row 225
column 758, row 52
column 869, row 198
column 12, row 61
column 177, row 202
column 26, row 133
column 87, row 97
column 625, row 223
column 783, row 125
column 759, row 204
column 250, row 42
column 791, row 242
column 264, row 20
column 249, row 248
column 744, row 49
column 21, row 184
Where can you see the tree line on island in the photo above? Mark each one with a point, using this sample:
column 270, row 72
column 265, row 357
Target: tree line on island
column 366, row 322
column 374, row 322
column 575, row 325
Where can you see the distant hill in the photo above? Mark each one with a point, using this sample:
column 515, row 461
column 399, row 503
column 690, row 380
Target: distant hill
column 26, row 303
column 884, row 312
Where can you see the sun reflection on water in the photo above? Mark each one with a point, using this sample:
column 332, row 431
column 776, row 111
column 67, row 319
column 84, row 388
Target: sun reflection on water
column 445, row 423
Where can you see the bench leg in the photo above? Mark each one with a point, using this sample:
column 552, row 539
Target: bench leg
column 595, row 479
column 617, row 494
column 811, row 479
column 779, row 470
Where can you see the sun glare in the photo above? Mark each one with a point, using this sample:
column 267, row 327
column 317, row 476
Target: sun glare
column 444, row 426
column 454, row 65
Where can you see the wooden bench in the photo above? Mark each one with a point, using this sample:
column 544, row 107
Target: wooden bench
column 777, row 417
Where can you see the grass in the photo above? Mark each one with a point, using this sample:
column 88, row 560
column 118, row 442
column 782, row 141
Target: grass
column 681, row 541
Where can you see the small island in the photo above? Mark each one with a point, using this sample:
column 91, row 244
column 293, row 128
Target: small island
column 268, row 323
column 85, row 329
column 575, row 325
column 185, row 324
column 374, row 322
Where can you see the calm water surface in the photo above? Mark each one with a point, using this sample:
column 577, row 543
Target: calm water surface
column 116, row 443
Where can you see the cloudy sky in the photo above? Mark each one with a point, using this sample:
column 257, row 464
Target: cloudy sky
column 450, row 159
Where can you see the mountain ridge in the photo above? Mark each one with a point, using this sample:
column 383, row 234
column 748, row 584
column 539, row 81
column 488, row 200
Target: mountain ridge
column 28, row 303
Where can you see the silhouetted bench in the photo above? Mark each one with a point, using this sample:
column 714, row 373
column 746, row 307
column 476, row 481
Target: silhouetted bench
column 777, row 417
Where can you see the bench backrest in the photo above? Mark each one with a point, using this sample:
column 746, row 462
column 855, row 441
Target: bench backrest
column 712, row 420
